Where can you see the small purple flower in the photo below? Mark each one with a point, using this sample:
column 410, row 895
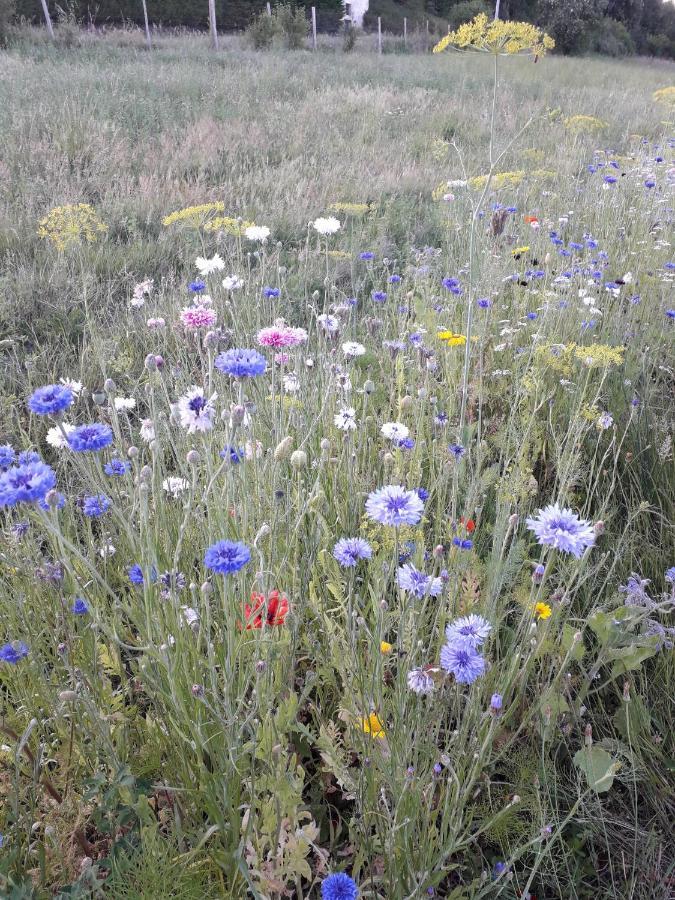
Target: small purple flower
column 339, row 886
column 79, row 607
column 50, row 400
column 95, row 506
column 379, row 296
column 394, row 279
column 366, row 255
column 457, row 451
column 463, row 661
column 496, row 703
column 196, row 286
column 348, row 551
column 234, row 454
column 136, row 575
column 417, row 583
column 271, row 292
column 538, row 573
column 7, row 456
column 484, row 303
column 117, row 467
column 499, row 867
column 241, row 363
column 462, row 543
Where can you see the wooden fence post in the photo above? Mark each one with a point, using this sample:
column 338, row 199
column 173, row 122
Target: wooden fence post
column 48, row 19
column 148, row 39
column 212, row 24
column 379, row 34
column 314, row 28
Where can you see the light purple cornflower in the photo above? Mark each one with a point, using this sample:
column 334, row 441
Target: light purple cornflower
column 348, row 551
column 463, row 661
column 417, row 583
column 561, row 528
column 472, row 630
column 394, row 505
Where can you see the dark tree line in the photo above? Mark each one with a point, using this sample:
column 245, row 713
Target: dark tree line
column 615, row 27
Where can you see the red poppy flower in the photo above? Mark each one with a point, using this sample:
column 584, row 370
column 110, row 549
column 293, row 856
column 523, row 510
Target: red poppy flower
column 469, row 524
column 530, row 220
column 270, row 611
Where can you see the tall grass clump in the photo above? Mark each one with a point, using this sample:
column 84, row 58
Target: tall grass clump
column 337, row 552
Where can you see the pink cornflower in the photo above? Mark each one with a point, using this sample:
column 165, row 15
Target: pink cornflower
column 156, row 323
column 281, row 335
column 281, row 359
column 196, row 317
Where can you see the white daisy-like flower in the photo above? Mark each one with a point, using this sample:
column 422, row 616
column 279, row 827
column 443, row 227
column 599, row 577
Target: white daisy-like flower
column 257, row 233
column 253, row 449
column 330, row 324
column 345, row 420
column 195, row 412
column 329, row 225
column 56, row 438
column 209, row 266
column 175, row 485
column 124, row 404
column 353, row 348
column 395, row 431
column 190, row 616
column 232, row 283
column 291, row 383
column 75, row 387
column 147, row 430
column 107, row 551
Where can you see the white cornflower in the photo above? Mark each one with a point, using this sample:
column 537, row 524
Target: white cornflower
column 257, row 233
column 124, row 404
column 194, row 411
column 605, row 421
column 353, row 348
column 420, row 682
column 147, row 430
column 291, row 383
column 175, row 485
column 253, row 449
column 75, row 387
column 232, row 283
column 208, row 266
column 345, row 420
column 107, row 550
column 395, row 431
column 331, row 225
column 330, row 324
column 55, row 437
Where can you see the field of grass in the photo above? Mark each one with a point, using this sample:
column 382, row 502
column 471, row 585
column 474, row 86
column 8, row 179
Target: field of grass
column 494, row 316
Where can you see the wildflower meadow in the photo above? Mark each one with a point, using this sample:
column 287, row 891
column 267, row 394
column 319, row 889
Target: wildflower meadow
column 336, row 472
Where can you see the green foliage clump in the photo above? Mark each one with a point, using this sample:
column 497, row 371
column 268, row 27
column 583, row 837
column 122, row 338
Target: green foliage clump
column 7, row 13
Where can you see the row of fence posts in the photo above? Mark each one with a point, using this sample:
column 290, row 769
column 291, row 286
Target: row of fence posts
column 213, row 30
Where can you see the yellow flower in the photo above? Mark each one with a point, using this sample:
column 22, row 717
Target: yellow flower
column 498, row 37
column 350, row 209
column 385, row 647
column 193, row 215
column 584, row 123
column 235, row 227
column 518, row 251
column 450, row 339
column 542, row 611
column 498, row 180
column 373, row 726
column 70, row 224
column 665, row 95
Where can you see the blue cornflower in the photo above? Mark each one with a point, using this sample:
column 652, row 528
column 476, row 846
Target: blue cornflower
column 463, row 544
column 59, row 502
column 26, row 483
column 379, row 296
column 90, row 438
column 441, row 418
column 575, row 245
column 417, row 583
column 50, row 400
column 366, row 255
column 670, row 313
column 670, row 575
column 339, row 886
column 271, row 292
column 234, row 454
column 14, row 652
column 117, row 467
column 591, row 243
column 609, row 179
column 406, row 443
column 28, row 457
column 532, row 316
column 240, row 363
column 457, row 451
column 394, row 279
column 136, row 575
column 95, row 506
column 394, row 505
column 496, row 702
column 197, row 286
column 649, row 183
column 226, row 557
column 483, row 303
column 351, row 301
column 452, row 285
column 423, row 494
column 463, row 661
column 498, row 869
column 348, row 551
column 7, row 456
column 79, row 607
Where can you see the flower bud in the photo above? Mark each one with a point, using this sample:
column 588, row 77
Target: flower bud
column 599, row 528
column 263, row 531
column 68, row 696
column 197, row 690
column 260, row 666
column 538, row 574
column 388, row 459
column 237, row 414
column 159, row 361
column 369, row 386
column 513, row 520
column 193, row 457
column 283, row 449
column 109, row 386
column 406, row 402
column 206, row 589
column 132, row 452
column 210, row 339
column 146, row 473
column 52, row 499
column 325, row 444
column 151, row 363
column 99, row 397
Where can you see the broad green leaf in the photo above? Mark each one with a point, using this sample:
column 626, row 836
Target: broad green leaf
column 598, row 767
column 632, row 718
column 628, row 658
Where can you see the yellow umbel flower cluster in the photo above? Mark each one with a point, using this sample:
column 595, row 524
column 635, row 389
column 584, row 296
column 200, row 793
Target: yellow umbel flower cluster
column 193, row 216
column 350, row 209
column 498, row 37
column 561, row 357
column 664, row 95
column 499, row 180
column 579, row 124
column 70, row 224
column 235, row 227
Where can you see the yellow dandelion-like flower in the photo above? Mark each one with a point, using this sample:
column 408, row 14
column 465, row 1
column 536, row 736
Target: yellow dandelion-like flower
column 68, row 225
column 385, row 647
column 665, row 95
column 450, row 339
column 542, row 611
column 518, row 251
column 193, row 216
column 498, row 37
column 373, row 726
